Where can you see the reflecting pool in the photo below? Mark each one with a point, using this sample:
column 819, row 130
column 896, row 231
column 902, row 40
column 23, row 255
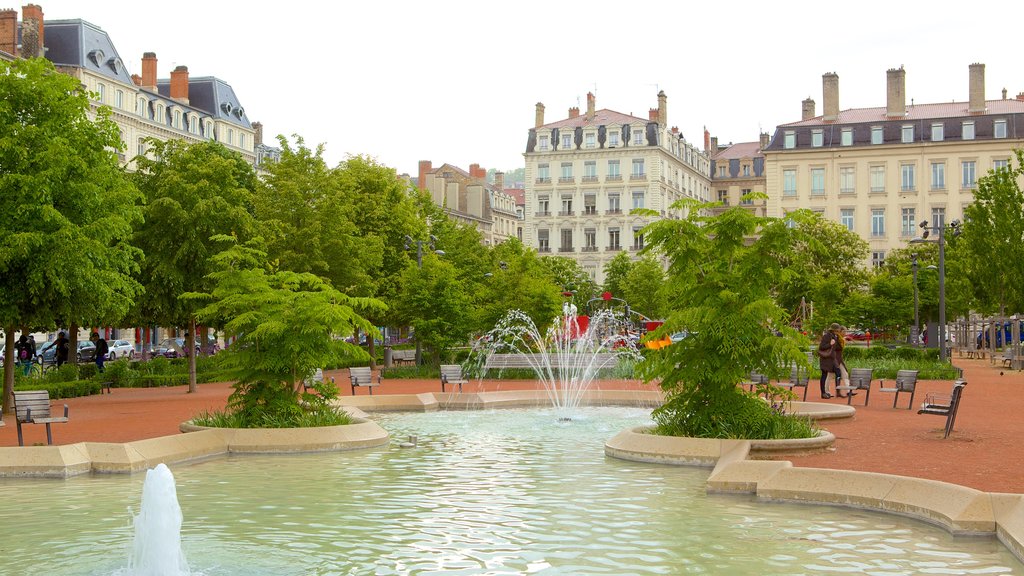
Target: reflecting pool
column 487, row 492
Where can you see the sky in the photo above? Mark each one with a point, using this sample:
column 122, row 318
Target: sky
column 458, row 81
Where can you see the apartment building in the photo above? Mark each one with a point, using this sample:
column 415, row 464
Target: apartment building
column 881, row 171
column 468, row 198
column 737, row 170
column 585, row 173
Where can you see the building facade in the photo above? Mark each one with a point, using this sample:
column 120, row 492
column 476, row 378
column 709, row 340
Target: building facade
column 737, row 170
column 470, row 199
column 585, row 174
column 881, row 171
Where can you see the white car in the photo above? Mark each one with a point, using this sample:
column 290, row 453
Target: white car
column 120, row 349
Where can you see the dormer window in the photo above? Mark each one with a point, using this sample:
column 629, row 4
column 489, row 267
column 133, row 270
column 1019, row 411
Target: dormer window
column 115, row 64
column 159, row 116
column 177, row 119
column 141, row 106
column 226, row 107
column 97, row 57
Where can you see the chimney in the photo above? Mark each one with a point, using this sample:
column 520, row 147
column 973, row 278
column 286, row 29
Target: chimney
column 179, row 84
column 32, row 40
column 765, row 140
column 896, row 92
column 136, row 79
column 149, row 70
column 477, row 172
column 675, row 130
column 574, row 112
column 9, row 32
column 1020, row 96
column 662, row 108
column 652, row 114
column 830, row 96
column 1004, row 93
column 707, row 140
column 714, row 145
column 807, row 109
column 590, row 106
column 977, row 87
column 499, row 180
column 257, row 127
column 539, row 118
column 425, row 168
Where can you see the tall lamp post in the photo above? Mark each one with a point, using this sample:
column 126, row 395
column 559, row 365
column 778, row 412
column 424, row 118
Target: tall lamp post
column 419, row 264
column 940, row 231
column 917, row 319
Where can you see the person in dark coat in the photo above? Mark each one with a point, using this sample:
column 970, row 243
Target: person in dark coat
column 826, row 357
column 62, row 347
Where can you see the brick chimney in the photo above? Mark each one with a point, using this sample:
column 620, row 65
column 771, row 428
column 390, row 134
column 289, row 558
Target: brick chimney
column 499, row 180
column 574, row 112
column 977, row 89
column 766, row 139
column 1020, row 96
column 136, row 79
column 9, row 31
column 652, row 114
column 807, row 109
column 179, row 84
column 257, row 127
column 662, row 108
column 714, row 145
column 830, row 96
column 590, row 106
column 425, row 168
column 707, row 140
column 896, row 92
column 477, row 172
column 32, row 40
column 149, row 70
column 539, row 121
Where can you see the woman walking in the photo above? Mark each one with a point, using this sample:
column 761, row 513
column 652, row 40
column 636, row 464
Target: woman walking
column 827, row 357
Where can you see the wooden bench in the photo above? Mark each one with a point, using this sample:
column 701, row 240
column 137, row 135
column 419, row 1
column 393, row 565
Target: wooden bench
column 757, row 379
column 451, row 375
column 906, row 381
column 501, row 361
column 860, row 379
column 310, row 384
column 33, row 407
column 942, row 405
column 362, row 376
column 399, row 357
column 797, row 379
column 105, row 386
column 1006, row 358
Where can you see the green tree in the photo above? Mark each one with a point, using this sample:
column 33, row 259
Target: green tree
column 436, row 300
column 68, row 209
column 644, row 288
column 193, row 192
column 517, row 281
column 615, row 272
column 570, row 275
column 726, row 300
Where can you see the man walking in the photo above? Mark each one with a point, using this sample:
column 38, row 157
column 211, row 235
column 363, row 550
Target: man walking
column 101, row 350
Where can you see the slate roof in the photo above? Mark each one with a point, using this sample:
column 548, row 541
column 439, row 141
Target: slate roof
column 84, row 45
column 213, row 96
column 741, row 150
column 603, row 116
column 519, row 194
column 915, row 112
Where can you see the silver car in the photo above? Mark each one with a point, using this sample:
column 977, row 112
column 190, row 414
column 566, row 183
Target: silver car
column 120, row 349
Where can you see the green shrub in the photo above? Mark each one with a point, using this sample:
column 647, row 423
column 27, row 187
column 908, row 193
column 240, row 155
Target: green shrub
column 735, row 415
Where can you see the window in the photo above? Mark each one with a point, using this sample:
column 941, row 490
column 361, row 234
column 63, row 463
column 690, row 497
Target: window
column 846, row 218
column 968, row 131
column 590, row 204
column 744, row 201
column 877, row 135
column 847, row 137
column 878, row 258
column 789, row 182
column 101, row 93
column 589, row 140
column 817, row 181
column 847, row 180
column 590, row 170
column 566, row 244
column 193, row 124
column 543, row 241
column 177, row 119
column 543, row 174
column 638, row 137
column 937, row 132
column 613, row 204
column 119, row 102
column 231, row 136
column 746, row 169
column 938, row 175
column 638, row 198
column 907, row 134
column 908, row 221
column 999, row 129
column 159, row 113
column 613, row 139
column 998, row 165
column 723, row 197
column 721, row 171
column 789, row 140
column 613, row 170
column 877, row 178
column 878, row 222
column 140, row 107
column 566, row 206
column 638, row 238
column 542, row 205
column 638, row 168
column 907, row 181
column 543, row 145
column 566, row 172
column 141, row 150
column 817, row 138
column 967, row 180
column 589, row 240
column 938, row 217
column 613, row 239
column 566, row 141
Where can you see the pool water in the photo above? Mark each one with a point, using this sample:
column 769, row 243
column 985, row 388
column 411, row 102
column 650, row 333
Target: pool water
column 488, row 492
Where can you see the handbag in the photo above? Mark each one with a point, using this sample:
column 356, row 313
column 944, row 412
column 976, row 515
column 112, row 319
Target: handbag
column 825, row 353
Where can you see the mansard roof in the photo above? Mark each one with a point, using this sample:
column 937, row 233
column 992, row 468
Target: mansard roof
column 84, row 45
column 915, row 112
column 602, row 117
column 211, row 95
column 739, row 151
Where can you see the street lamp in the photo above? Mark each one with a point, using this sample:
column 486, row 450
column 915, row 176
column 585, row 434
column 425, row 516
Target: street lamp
column 916, row 334
column 419, row 264
column 926, row 228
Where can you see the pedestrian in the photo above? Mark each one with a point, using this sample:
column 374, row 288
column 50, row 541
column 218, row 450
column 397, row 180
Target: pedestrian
column 842, row 374
column 101, row 350
column 826, row 358
column 61, row 348
column 25, row 353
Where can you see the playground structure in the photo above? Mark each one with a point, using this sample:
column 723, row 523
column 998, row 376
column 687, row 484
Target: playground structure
column 997, row 337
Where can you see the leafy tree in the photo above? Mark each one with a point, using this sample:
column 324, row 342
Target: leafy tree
column 570, row 275
column 645, row 289
column 993, row 239
column 438, row 304
column 727, row 268
column 68, row 209
column 518, row 281
column 193, row 192
column 615, row 272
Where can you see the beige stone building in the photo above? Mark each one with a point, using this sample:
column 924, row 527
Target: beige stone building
column 468, row 198
column 737, row 170
column 585, row 173
column 881, row 171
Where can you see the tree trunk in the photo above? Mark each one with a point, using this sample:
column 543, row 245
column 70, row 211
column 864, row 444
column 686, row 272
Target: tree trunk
column 73, row 345
column 8, row 397
column 372, row 349
column 190, row 351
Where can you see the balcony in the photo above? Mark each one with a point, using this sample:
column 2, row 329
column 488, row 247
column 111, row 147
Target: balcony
column 566, row 180
column 566, row 213
column 566, row 249
column 542, row 214
column 590, row 178
column 588, row 249
column 543, row 180
column 613, row 178
column 613, row 211
column 638, row 176
column 637, row 247
column 613, row 248
column 590, row 210
column 544, row 249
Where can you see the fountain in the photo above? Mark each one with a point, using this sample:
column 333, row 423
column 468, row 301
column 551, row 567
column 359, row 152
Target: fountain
column 567, row 358
column 156, row 548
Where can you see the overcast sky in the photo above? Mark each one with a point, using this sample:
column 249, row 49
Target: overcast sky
column 458, row 82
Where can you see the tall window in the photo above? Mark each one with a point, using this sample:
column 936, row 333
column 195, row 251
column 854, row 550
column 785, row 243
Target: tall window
column 938, row 175
column 177, row 119
column 231, row 136
column 566, row 206
column 638, row 138
column 638, row 199
column 937, row 133
column 877, row 178
column 566, row 172
column 590, row 204
column 907, row 180
column 908, row 221
column 566, row 244
column 817, row 181
column 878, row 258
column 817, row 138
column 999, row 129
column 589, row 140
column 101, row 93
column 846, row 218
column 613, row 139
column 544, row 144
column 119, row 101
column 744, row 201
column 590, row 170
column 907, row 134
column 613, row 170
column 638, row 167
column 589, row 240
column 721, row 170
column 566, row 141
column 789, row 139
column 543, row 241
column 638, row 238
column 847, row 137
column 967, row 179
column 543, row 173
column 746, row 169
column 877, row 135
column 998, row 165
column 613, row 204
column 789, row 182
column 878, row 222
column 847, row 180
column 968, row 130
column 613, row 239
column 140, row 107
column 938, row 217
column 723, row 197
column 542, row 205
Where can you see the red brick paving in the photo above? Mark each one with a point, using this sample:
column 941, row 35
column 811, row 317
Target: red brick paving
column 984, row 451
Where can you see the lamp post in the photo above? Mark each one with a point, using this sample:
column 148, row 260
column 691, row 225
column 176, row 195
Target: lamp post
column 419, row 264
column 917, row 321
column 954, row 226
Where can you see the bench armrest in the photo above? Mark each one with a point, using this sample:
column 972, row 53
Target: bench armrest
column 65, row 410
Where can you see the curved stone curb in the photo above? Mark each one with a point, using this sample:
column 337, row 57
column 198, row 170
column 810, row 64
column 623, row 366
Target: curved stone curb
column 361, row 434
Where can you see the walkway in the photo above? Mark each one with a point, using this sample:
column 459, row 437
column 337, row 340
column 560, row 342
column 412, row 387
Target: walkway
column 984, row 452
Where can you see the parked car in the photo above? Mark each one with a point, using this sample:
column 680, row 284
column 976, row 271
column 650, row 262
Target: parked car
column 86, row 351
column 171, row 348
column 120, row 349
column 47, row 353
